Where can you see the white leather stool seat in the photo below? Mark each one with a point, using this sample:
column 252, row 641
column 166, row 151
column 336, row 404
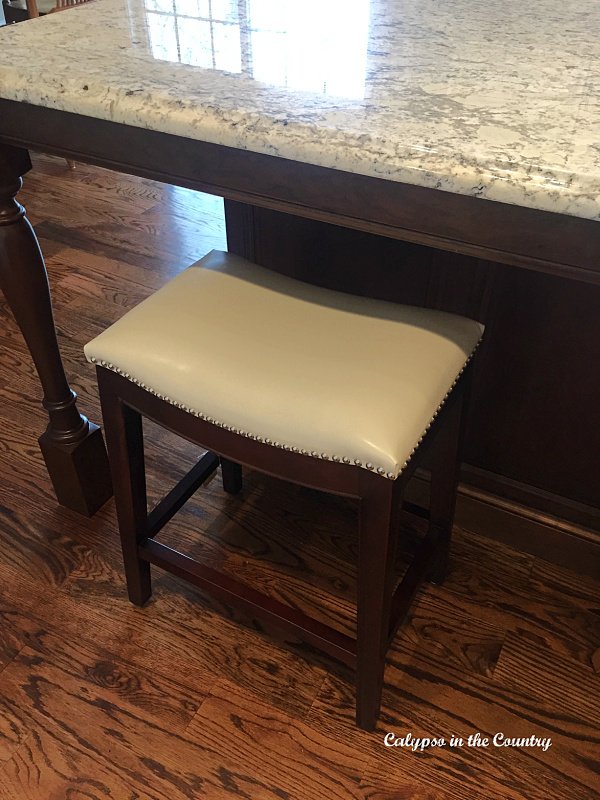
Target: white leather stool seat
column 333, row 375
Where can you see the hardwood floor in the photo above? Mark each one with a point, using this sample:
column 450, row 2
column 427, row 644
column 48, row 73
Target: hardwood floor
column 185, row 699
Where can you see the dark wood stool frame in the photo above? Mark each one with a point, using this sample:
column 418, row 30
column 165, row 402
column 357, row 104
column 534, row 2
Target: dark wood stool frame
column 380, row 607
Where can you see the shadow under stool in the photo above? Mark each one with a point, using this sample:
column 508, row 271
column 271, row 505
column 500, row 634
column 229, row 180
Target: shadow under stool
column 324, row 389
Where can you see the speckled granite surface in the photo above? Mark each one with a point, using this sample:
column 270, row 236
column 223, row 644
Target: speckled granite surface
column 498, row 99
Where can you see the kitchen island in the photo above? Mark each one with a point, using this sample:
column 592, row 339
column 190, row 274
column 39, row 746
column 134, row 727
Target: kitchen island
column 444, row 153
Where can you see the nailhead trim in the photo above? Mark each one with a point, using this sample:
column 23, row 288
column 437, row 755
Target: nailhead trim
column 314, row 454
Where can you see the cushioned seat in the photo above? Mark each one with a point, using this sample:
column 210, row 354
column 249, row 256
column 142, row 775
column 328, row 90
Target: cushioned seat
column 320, row 388
column 339, row 377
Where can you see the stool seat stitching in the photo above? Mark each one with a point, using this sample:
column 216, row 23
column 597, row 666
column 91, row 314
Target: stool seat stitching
column 313, row 453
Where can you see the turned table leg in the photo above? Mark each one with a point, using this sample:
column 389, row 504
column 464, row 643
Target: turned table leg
column 73, row 447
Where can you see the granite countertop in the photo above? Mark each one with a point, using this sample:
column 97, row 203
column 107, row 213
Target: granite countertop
column 493, row 98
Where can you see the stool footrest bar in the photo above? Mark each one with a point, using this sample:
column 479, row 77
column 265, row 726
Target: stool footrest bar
column 410, row 583
column 228, row 590
column 181, row 493
column 415, row 510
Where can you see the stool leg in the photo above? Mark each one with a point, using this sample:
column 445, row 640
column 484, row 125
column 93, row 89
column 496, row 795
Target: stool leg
column 125, row 443
column 378, row 518
column 232, row 476
column 444, row 482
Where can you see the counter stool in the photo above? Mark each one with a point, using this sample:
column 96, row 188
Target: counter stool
column 320, row 388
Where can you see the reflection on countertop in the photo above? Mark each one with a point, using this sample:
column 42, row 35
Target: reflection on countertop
column 266, row 39
column 490, row 98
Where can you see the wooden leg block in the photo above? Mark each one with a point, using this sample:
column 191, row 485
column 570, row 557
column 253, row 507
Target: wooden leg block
column 79, row 471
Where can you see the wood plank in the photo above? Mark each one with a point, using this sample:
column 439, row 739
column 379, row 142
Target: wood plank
column 137, row 240
column 495, row 582
column 549, row 622
column 441, row 624
column 555, row 682
column 140, row 193
column 575, row 590
column 33, row 548
column 44, row 767
column 117, row 246
column 427, row 698
column 268, row 754
column 183, row 624
column 71, row 717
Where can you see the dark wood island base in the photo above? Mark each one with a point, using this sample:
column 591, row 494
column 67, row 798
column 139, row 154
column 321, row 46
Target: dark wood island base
column 73, row 447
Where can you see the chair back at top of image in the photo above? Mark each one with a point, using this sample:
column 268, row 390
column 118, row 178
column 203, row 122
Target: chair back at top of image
column 37, row 7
